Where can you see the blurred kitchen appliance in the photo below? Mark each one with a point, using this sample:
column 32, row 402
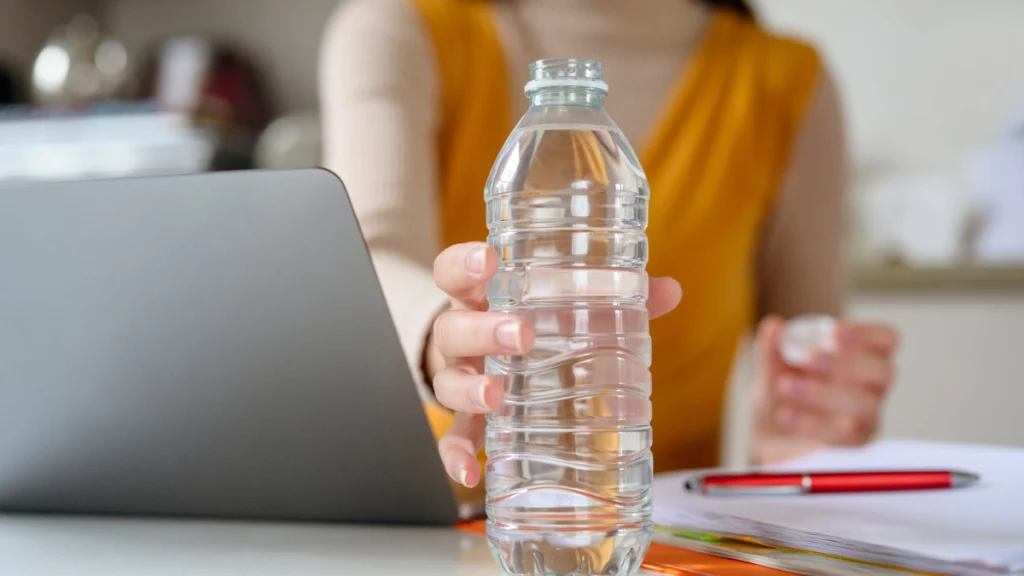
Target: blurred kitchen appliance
column 218, row 86
column 79, row 65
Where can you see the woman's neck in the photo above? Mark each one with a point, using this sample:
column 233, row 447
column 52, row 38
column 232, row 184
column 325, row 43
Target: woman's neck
column 645, row 46
column 640, row 23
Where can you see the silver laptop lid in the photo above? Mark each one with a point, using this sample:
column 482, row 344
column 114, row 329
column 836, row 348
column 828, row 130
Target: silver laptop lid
column 213, row 345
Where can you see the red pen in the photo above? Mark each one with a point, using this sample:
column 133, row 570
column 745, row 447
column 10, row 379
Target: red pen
column 827, row 482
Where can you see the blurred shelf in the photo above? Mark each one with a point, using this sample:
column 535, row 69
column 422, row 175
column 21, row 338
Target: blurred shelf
column 954, row 278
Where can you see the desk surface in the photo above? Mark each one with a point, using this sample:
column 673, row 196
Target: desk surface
column 58, row 546
column 109, row 547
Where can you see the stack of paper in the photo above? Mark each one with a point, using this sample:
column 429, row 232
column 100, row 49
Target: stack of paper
column 975, row 530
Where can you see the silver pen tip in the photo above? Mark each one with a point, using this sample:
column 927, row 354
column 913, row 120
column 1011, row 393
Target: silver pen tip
column 694, row 484
column 962, row 479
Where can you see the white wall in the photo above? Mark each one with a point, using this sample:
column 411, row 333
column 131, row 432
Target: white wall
column 26, row 24
column 283, row 35
column 925, row 81
column 961, row 375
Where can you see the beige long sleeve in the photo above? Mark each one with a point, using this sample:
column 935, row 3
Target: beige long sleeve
column 379, row 91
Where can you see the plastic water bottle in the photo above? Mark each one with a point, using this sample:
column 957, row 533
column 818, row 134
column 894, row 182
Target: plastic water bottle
column 569, row 453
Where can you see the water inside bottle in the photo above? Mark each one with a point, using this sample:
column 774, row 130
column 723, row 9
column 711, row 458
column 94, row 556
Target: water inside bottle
column 569, row 464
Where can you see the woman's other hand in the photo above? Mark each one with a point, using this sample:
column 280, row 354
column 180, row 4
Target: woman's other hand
column 465, row 333
column 836, row 400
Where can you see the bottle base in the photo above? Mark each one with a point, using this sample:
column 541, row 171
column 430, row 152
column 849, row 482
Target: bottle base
column 617, row 551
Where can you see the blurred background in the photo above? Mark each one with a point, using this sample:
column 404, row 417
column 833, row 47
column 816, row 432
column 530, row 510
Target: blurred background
column 934, row 100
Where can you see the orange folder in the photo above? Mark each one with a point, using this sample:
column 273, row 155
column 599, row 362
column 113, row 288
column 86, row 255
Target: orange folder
column 671, row 560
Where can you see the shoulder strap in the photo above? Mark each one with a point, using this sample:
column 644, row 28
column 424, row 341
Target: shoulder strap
column 446, row 22
column 475, row 116
column 744, row 86
column 790, row 74
column 789, row 77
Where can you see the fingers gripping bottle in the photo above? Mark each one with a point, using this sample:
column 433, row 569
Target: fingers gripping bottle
column 569, row 453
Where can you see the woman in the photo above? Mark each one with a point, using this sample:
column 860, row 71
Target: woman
column 740, row 135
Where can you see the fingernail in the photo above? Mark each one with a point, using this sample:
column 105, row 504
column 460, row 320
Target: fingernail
column 463, row 474
column 476, row 260
column 478, row 395
column 510, row 336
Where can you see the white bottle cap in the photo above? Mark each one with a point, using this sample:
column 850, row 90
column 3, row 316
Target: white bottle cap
column 804, row 336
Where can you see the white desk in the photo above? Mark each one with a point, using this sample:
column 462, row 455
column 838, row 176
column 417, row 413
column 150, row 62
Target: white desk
column 57, row 546
column 100, row 547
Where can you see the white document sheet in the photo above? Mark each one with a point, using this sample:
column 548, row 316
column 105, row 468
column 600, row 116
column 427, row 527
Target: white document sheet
column 979, row 529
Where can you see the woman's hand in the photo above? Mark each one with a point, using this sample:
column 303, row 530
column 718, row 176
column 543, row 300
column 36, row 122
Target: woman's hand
column 466, row 332
column 836, row 400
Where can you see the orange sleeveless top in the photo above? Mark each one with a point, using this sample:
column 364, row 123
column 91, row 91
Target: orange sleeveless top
column 719, row 152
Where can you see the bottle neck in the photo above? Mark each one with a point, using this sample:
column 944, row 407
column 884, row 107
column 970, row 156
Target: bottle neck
column 567, row 96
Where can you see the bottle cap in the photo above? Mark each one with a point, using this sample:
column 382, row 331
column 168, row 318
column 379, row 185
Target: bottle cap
column 804, row 336
column 573, row 72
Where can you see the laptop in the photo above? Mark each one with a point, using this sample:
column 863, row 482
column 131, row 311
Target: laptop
column 204, row 346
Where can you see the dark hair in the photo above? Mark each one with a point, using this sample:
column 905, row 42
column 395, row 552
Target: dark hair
column 741, row 7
